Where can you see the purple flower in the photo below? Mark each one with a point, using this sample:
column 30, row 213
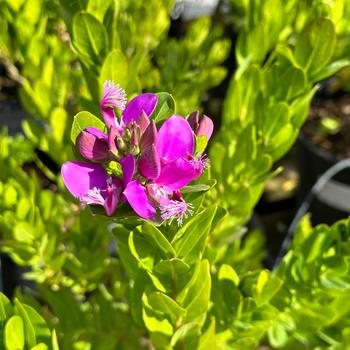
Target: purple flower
column 137, row 110
column 169, row 164
column 170, row 160
column 90, row 183
column 173, row 207
column 113, row 96
column 153, row 165
column 203, row 127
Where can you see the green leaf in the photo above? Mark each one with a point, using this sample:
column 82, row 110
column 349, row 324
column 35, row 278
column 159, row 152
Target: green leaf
column 115, row 67
column 207, row 340
column 143, row 252
column 282, row 141
column 83, row 120
column 89, row 38
column 317, row 244
column 155, row 323
column 247, row 150
column 195, row 296
column 110, row 21
column 195, row 188
column 32, row 130
column 188, row 329
column 140, row 283
column 6, row 309
column 30, row 338
column 40, row 327
column 330, row 70
column 25, row 232
column 189, row 241
column 172, row 267
column 54, row 341
column 14, row 333
column 269, row 289
column 165, row 107
column 158, row 238
column 315, row 46
column 161, row 302
column 201, row 143
column 278, row 336
column 58, row 121
column 227, row 272
column 98, row 8
column 284, row 82
column 241, row 94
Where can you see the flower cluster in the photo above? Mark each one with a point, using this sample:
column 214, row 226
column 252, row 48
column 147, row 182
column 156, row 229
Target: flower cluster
column 135, row 162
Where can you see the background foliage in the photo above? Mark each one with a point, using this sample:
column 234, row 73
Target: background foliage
column 106, row 285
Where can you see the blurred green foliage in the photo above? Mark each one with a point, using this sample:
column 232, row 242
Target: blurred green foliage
column 65, row 50
column 130, row 284
column 22, row 327
column 280, row 59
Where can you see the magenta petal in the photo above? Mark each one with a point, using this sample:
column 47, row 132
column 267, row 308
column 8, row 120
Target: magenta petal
column 145, row 102
column 109, row 117
column 111, row 202
column 149, row 137
column 175, row 138
column 80, row 177
column 176, row 174
column 98, row 133
column 143, row 121
column 113, row 133
column 128, row 168
column 206, row 127
column 149, row 163
column 136, row 195
column 92, row 144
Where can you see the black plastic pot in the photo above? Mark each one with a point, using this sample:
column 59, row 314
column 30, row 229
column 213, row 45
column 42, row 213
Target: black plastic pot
column 11, row 116
column 11, row 275
column 332, row 203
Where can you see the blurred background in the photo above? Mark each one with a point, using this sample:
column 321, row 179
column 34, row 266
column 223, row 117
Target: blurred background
column 194, row 49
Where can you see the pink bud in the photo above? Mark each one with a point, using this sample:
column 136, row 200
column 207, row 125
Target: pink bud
column 193, row 119
column 93, row 144
column 143, row 121
column 113, row 134
column 149, row 163
column 206, row 127
column 149, row 137
column 134, row 137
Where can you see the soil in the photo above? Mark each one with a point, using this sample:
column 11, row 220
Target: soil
column 336, row 142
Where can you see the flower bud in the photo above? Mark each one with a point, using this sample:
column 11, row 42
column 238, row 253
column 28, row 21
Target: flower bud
column 149, row 137
column 143, row 121
column 121, row 144
column 127, row 134
column 113, row 133
column 206, row 127
column 149, row 164
column 193, row 119
column 134, row 138
column 201, row 126
column 135, row 150
column 93, row 144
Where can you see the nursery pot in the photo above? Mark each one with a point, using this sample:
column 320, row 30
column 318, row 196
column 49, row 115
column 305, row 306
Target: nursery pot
column 11, row 116
column 332, row 203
